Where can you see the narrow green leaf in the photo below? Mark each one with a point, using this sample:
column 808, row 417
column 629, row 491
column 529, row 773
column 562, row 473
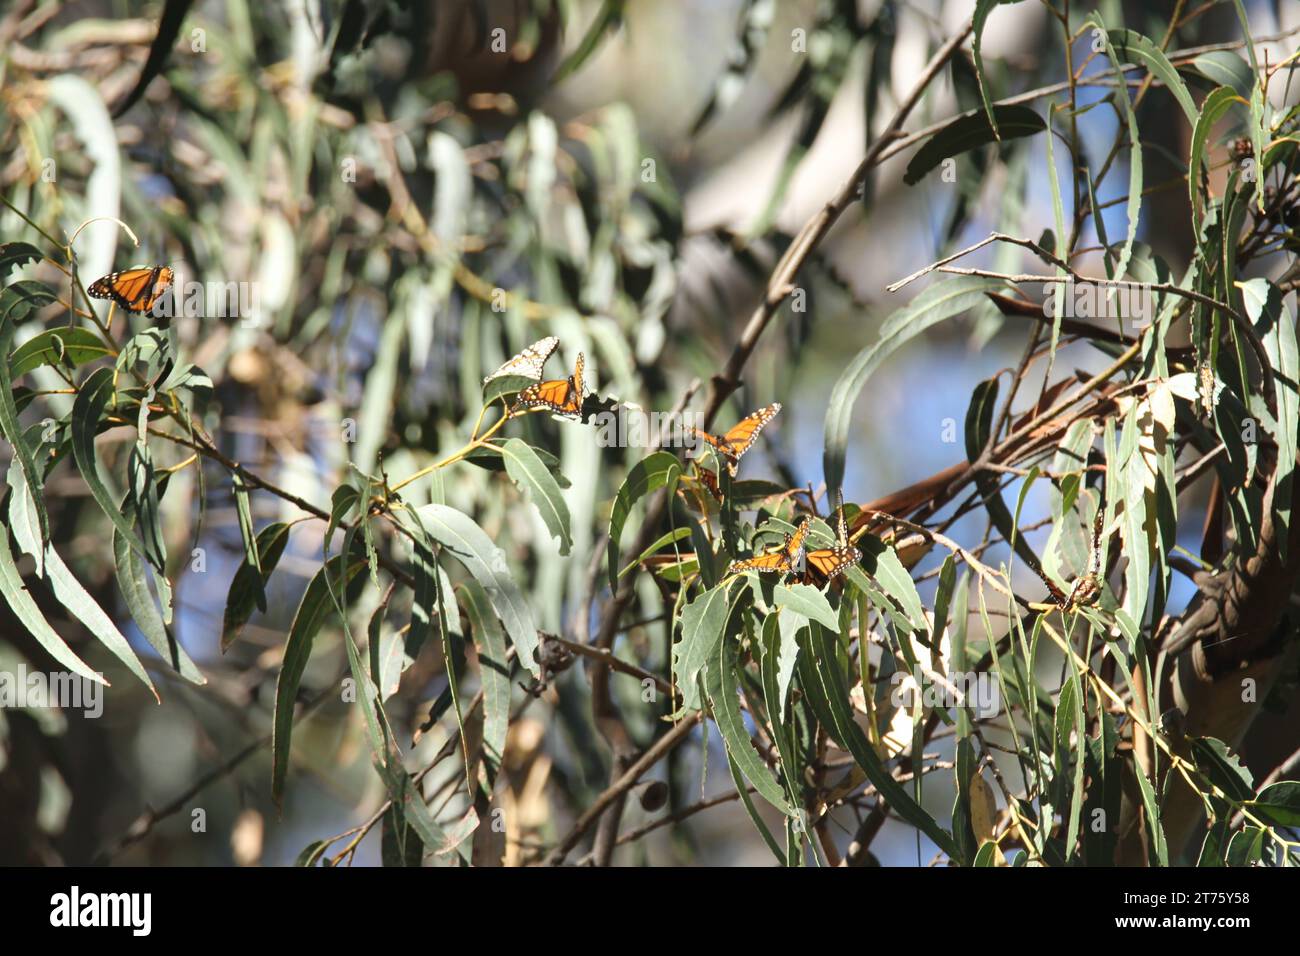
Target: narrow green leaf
column 982, row 10
column 775, row 696
column 1223, row 767
column 940, row 301
column 1212, row 110
column 315, row 606
column 531, row 474
column 1267, row 310
column 1135, row 155
column 751, row 811
column 722, row 689
column 987, row 855
column 821, row 679
column 87, row 410
column 78, row 602
column 12, row 431
column 244, row 511
column 1062, row 239
column 22, row 300
column 385, row 755
column 503, row 386
column 494, row 674
column 249, row 583
column 469, row 544
column 16, row 254
column 703, row 622
column 20, row 602
column 142, row 500
column 1246, row 848
column 399, row 649
column 1133, row 46
column 1225, row 68
column 400, row 845
column 312, row 853
column 972, row 132
column 608, row 18
column 132, row 581
column 672, row 537
column 1150, row 804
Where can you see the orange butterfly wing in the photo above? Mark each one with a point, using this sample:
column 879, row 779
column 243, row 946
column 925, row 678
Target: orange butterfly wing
column 741, row 436
column 783, row 559
column 710, row 481
column 136, row 290
column 829, row 562
column 1059, row 597
column 794, row 544
column 773, row 561
column 559, row 395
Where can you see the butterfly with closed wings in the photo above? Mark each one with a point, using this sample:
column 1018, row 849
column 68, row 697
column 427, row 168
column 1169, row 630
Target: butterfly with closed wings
column 528, row 363
column 1087, row 588
column 136, row 290
column 740, row 437
column 709, row 480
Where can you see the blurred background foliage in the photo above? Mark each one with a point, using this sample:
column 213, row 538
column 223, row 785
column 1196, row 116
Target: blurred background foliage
column 419, row 190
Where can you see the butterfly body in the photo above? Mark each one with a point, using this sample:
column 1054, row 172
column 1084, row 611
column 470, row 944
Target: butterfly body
column 828, row 563
column 740, row 437
column 563, row 396
column 1086, row 591
column 136, row 290
column 1087, row 588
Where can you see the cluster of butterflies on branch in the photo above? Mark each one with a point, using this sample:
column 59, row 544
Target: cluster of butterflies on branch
column 565, row 397
column 793, row 557
column 140, row 289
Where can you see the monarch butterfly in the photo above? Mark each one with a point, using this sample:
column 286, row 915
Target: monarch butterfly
column 563, row 395
column 710, row 481
column 529, row 362
column 829, row 562
column 1087, row 588
column 741, row 436
column 136, row 290
column 784, row 559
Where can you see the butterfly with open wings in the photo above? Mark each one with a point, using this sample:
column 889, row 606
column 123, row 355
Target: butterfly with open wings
column 810, row 564
column 564, row 396
column 740, row 437
column 827, row 563
column 783, row 560
column 136, row 290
